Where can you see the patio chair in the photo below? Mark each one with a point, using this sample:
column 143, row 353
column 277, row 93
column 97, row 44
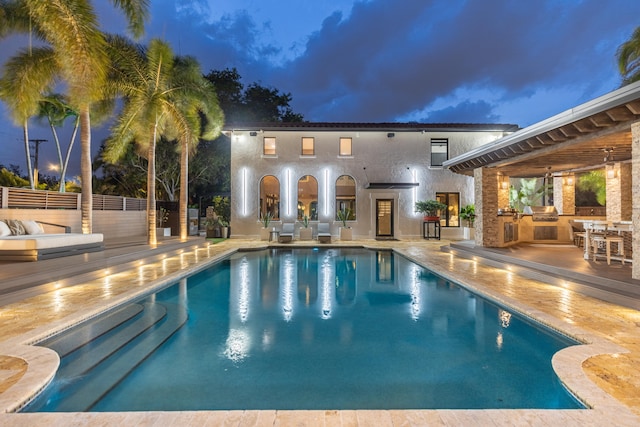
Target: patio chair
column 324, row 236
column 286, row 235
column 577, row 233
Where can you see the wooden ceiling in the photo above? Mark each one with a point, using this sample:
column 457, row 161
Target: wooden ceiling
column 574, row 146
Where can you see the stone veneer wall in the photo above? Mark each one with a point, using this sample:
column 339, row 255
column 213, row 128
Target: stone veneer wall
column 619, row 192
column 635, row 189
column 487, row 200
column 564, row 196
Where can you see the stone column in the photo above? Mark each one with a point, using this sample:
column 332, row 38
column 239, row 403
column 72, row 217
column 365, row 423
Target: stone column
column 619, row 196
column 564, row 194
column 635, row 189
column 488, row 198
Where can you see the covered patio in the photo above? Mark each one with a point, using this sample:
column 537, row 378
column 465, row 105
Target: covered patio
column 601, row 134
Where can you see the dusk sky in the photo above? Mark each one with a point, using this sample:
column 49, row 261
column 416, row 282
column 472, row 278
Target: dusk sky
column 454, row 61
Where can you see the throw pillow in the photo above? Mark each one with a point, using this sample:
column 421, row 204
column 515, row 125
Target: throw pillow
column 15, row 226
column 32, row 227
column 4, row 229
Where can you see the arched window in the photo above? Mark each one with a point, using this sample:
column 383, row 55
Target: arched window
column 346, row 195
column 308, row 197
column 270, row 197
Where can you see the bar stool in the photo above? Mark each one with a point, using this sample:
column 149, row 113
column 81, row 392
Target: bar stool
column 619, row 240
column 598, row 237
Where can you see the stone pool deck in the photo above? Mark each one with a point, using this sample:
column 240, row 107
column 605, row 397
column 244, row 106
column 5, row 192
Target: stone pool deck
column 605, row 373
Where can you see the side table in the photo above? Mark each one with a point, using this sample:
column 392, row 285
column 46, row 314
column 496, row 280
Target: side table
column 426, row 232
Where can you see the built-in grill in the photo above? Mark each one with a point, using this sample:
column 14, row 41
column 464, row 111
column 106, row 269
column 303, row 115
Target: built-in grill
column 542, row 213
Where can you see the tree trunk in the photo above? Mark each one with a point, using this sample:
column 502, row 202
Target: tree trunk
column 86, row 172
column 25, row 130
column 151, row 191
column 184, row 191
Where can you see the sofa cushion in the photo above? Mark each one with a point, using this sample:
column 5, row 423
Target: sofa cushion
column 4, row 229
column 15, row 226
column 47, row 241
column 32, row 227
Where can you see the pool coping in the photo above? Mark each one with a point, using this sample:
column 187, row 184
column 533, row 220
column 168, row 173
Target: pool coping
column 42, row 364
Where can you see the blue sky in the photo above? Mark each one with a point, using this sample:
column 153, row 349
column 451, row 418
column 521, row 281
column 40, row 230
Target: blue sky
column 471, row 61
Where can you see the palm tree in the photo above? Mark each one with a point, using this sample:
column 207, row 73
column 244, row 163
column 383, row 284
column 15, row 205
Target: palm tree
column 55, row 110
column 199, row 102
column 629, row 58
column 164, row 96
column 26, row 76
column 70, row 28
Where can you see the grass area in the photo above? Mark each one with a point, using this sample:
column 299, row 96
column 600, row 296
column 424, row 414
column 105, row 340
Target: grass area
column 215, row 240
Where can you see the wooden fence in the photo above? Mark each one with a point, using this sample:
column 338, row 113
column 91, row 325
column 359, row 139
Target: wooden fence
column 20, row 198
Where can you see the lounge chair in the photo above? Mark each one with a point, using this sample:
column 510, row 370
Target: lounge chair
column 324, row 236
column 286, row 235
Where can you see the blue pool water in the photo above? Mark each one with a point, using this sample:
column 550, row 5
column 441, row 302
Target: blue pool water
column 310, row 329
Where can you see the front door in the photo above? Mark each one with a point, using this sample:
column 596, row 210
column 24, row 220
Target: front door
column 384, row 218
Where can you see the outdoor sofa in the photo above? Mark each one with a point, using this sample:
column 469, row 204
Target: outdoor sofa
column 28, row 241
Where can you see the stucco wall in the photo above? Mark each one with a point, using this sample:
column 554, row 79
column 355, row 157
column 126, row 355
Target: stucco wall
column 376, row 158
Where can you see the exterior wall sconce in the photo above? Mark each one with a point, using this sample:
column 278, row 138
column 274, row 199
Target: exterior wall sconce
column 611, row 173
column 391, row 135
column 568, row 180
column 504, row 182
column 253, row 133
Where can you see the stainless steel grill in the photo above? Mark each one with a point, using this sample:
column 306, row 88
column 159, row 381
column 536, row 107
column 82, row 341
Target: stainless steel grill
column 542, row 213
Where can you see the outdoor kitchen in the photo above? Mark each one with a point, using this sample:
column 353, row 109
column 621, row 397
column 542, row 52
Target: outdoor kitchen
column 539, row 224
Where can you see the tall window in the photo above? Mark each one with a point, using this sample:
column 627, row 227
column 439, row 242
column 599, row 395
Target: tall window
column 269, row 147
column 345, row 147
column 449, row 217
column 439, row 151
column 308, row 197
column 270, row 196
column 308, row 146
column 346, row 195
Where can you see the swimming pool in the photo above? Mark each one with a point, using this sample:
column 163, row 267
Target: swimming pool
column 309, row 329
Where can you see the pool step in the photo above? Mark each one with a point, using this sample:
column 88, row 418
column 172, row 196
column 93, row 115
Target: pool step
column 98, row 382
column 68, row 342
column 112, row 342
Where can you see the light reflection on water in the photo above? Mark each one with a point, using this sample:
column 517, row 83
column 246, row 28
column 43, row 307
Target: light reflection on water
column 339, row 329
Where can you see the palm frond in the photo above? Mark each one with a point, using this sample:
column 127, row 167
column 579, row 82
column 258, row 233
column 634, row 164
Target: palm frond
column 26, row 78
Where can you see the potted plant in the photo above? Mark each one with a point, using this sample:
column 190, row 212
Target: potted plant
column 430, row 208
column 212, row 225
column 265, row 219
column 224, row 228
column 222, row 209
column 162, row 218
column 468, row 214
column 345, row 232
column 306, row 233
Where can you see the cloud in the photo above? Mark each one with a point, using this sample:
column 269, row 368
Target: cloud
column 385, row 61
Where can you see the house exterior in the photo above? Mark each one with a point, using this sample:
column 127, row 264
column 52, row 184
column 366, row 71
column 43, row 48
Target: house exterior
column 374, row 171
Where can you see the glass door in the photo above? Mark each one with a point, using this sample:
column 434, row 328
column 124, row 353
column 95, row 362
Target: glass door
column 384, row 218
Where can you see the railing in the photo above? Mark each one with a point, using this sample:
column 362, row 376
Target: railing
column 20, row 198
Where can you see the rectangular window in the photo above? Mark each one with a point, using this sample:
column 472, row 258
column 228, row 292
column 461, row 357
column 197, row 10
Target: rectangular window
column 269, row 147
column 449, row 217
column 308, row 146
column 345, row 147
column 439, row 151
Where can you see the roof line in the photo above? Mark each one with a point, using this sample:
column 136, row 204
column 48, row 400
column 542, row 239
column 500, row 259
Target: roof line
column 607, row 101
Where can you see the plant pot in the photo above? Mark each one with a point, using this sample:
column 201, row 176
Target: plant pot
column 431, row 218
column 468, row 233
column 224, row 232
column 346, row 233
column 264, row 233
column 306, row 233
column 213, row 233
column 163, row 231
